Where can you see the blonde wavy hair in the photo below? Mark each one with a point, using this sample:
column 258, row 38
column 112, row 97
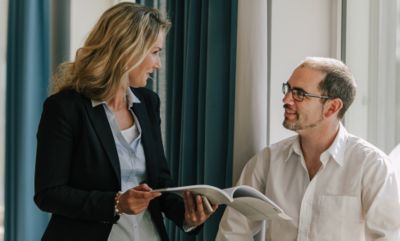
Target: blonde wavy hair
column 123, row 35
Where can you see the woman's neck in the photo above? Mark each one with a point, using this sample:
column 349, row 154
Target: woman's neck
column 118, row 102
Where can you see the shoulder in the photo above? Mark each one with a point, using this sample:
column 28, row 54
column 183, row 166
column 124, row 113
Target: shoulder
column 280, row 150
column 66, row 103
column 284, row 143
column 364, row 154
column 363, row 150
column 276, row 151
column 65, row 97
column 273, row 153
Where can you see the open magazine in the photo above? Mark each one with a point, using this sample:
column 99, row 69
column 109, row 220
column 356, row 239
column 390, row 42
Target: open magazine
column 245, row 199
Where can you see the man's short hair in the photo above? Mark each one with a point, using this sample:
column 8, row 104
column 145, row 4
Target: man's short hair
column 339, row 81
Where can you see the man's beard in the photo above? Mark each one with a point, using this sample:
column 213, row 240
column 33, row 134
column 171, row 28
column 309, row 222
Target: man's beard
column 297, row 125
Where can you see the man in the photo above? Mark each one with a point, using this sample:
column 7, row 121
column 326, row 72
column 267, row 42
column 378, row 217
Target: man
column 334, row 185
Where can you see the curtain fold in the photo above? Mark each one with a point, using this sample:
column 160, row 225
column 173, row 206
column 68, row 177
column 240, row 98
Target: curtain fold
column 201, row 59
column 28, row 69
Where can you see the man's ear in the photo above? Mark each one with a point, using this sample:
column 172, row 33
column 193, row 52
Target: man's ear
column 332, row 107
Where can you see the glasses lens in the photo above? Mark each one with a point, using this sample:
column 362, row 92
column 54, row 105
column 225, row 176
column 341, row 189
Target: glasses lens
column 298, row 94
column 285, row 88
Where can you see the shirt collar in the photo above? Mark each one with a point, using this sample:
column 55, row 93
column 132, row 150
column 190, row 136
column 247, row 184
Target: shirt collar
column 130, row 97
column 336, row 149
column 294, row 148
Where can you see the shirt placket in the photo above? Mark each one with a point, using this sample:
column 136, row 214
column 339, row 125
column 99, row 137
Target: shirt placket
column 306, row 208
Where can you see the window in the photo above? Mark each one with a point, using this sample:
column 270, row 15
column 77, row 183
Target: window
column 373, row 54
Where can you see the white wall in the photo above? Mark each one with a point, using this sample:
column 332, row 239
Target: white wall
column 84, row 15
column 250, row 129
column 299, row 29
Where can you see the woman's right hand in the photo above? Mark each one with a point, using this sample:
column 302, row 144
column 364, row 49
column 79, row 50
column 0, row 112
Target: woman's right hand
column 137, row 199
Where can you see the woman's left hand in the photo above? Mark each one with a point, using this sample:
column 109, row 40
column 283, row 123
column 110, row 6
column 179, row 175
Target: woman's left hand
column 195, row 213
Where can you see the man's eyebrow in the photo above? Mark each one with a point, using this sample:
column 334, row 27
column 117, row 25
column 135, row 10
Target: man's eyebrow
column 301, row 89
column 296, row 88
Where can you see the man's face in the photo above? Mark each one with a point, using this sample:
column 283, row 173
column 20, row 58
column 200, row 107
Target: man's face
column 308, row 113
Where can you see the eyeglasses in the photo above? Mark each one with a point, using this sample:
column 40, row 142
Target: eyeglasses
column 299, row 94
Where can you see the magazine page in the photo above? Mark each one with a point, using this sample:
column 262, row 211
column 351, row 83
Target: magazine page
column 248, row 191
column 213, row 194
column 257, row 209
column 247, row 200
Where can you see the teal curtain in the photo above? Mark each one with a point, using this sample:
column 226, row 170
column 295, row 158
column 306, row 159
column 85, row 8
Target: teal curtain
column 201, row 50
column 28, row 69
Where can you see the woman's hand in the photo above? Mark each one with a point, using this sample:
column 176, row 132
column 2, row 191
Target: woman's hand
column 137, row 199
column 195, row 213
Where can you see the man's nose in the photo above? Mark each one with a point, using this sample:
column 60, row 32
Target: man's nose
column 288, row 98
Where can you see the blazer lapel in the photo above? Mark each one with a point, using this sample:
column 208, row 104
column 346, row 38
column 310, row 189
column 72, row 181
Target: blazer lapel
column 147, row 141
column 102, row 127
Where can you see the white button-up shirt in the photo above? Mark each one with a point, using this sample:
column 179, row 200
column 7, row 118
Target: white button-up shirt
column 354, row 196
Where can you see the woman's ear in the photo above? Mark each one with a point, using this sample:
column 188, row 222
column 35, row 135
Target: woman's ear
column 332, row 107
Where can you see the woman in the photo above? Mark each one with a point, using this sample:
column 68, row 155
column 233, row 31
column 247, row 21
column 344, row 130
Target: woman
column 99, row 142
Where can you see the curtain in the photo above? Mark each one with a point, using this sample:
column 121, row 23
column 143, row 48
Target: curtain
column 201, row 59
column 28, row 68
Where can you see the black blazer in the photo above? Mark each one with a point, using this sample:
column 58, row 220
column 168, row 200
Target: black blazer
column 77, row 167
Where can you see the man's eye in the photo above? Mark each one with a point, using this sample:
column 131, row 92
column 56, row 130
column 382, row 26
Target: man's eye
column 298, row 92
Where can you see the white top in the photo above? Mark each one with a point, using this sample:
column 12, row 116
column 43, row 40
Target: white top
column 131, row 133
column 354, row 196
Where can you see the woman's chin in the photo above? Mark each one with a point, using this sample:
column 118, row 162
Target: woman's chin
column 138, row 84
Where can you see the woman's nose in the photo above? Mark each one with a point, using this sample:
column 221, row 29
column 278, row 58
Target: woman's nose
column 157, row 64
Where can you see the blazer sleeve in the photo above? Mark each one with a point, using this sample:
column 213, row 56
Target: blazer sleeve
column 58, row 128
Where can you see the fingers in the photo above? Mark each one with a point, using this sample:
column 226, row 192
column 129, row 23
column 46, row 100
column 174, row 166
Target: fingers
column 190, row 209
column 145, row 195
column 137, row 199
column 201, row 215
column 194, row 209
column 209, row 209
column 145, row 192
column 215, row 207
column 189, row 205
column 143, row 187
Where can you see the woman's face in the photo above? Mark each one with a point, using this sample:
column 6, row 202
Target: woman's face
column 139, row 75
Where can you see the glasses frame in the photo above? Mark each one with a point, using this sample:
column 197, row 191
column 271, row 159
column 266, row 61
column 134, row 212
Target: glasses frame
column 299, row 94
